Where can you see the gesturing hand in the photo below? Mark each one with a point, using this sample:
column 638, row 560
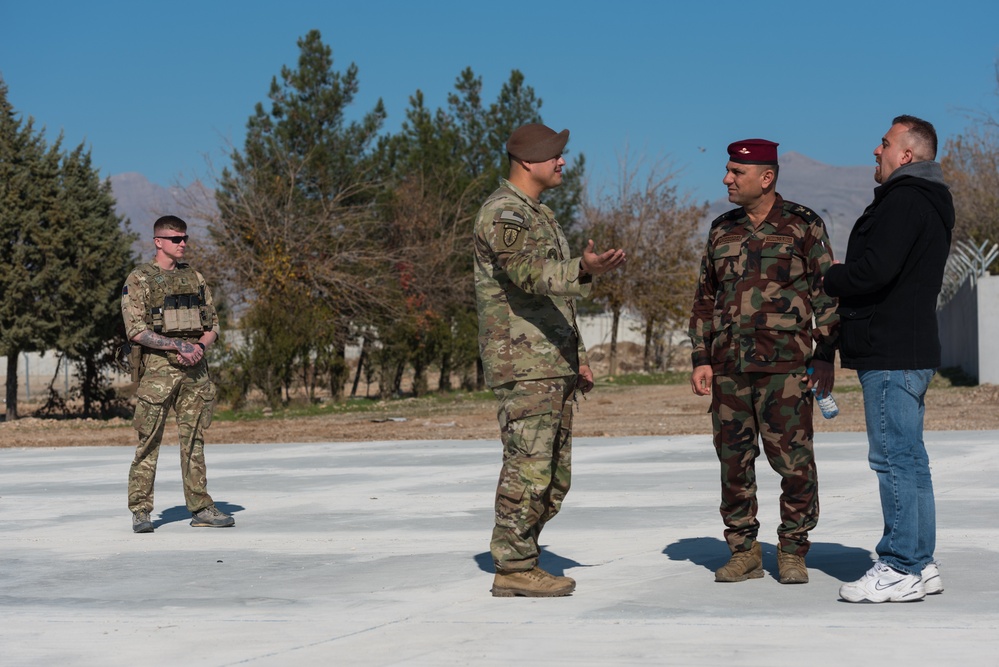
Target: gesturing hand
column 595, row 265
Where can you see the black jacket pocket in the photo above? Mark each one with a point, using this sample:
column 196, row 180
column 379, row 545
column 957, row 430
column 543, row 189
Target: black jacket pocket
column 855, row 330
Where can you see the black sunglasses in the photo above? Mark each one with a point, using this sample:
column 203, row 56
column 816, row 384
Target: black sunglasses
column 173, row 239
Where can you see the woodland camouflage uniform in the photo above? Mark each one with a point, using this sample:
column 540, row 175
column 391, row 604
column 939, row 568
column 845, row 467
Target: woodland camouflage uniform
column 758, row 291
column 165, row 384
column 525, row 281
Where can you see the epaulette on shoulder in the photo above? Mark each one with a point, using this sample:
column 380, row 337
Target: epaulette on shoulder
column 803, row 212
column 734, row 214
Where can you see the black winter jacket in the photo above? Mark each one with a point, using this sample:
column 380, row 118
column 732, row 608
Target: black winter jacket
column 889, row 283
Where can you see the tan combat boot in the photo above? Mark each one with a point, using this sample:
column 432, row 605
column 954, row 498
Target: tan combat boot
column 742, row 565
column 791, row 568
column 534, row 583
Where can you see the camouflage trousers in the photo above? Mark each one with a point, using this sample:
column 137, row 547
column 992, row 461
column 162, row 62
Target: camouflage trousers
column 535, row 418
column 192, row 394
column 777, row 409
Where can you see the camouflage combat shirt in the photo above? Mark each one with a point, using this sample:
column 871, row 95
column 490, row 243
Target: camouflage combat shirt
column 136, row 296
column 525, row 281
column 758, row 291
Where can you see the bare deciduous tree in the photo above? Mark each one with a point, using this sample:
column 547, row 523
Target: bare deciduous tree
column 657, row 227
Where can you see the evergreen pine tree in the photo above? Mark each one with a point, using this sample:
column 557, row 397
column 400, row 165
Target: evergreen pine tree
column 28, row 185
column 93, row 252
column 296, row 221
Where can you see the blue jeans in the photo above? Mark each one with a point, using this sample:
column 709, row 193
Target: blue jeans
column 894, row 407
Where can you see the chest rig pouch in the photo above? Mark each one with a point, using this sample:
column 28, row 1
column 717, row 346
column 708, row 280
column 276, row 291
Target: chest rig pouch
column 177, row 302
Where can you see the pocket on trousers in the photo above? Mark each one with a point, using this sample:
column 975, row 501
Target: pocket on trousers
column 511, row 511
column 918, row 381
column 526, row 399
column 207, row 395
column 147, row 415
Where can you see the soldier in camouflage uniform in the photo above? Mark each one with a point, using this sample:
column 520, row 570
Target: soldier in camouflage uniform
column 753, row 344
column 533, row 357
column 170, row 320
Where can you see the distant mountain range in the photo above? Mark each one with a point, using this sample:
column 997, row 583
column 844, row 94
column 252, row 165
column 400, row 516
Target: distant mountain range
column 838, row 194
column 143, row 202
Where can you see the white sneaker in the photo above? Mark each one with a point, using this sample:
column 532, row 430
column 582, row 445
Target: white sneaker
column 883, row 584
column 932, row 582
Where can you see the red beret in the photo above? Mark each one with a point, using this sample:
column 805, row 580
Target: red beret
column 535, row 142
column 753, row 151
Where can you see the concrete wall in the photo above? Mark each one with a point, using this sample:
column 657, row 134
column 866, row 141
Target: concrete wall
column 988, row 330
column 958, row 325
column 969, row 334
column 34, row 372
column 969, row 330
column 596, row 329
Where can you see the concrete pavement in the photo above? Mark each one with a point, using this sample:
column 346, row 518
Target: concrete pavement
column 377, row 554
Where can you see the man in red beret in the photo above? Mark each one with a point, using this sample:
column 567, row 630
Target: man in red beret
column 756, row 352
column 533, row 357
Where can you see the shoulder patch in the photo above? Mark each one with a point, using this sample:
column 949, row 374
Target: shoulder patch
column 509, row 216
column 510, row 234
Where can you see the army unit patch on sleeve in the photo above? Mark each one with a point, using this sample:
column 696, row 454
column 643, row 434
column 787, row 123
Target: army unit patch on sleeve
column 510, row 234
column 513, row 224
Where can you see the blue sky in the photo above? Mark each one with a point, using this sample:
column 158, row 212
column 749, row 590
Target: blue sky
column 161, row 88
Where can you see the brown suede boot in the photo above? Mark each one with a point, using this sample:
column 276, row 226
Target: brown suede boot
column 534, row 583
column 742, row 565
column 791, row 568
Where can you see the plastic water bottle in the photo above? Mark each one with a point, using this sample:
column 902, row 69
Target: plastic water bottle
column 827, row 404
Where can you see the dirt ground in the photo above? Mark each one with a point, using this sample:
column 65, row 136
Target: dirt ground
column 609, row 410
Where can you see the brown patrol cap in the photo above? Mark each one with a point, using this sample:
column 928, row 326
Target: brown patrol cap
column 535, row 142
column 753, row 151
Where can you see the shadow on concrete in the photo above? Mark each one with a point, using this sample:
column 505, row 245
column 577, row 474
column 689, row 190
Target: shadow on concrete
column 549, row 561
column 837, row 560
column 181, row 513
column 708, row 552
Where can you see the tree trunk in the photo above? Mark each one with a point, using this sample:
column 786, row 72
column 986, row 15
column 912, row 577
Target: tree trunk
column 360, row 365
column 647, row 353
column 615, row 321
column 400, row 369
column 89, row 388
column 419, row 377
column 444, row 382
column 340, row 371
column 12, row 357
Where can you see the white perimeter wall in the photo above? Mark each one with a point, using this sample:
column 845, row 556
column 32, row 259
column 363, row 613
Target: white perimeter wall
column 969, row 330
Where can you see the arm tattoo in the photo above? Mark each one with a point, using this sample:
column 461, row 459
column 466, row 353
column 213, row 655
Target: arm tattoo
column 160, row 342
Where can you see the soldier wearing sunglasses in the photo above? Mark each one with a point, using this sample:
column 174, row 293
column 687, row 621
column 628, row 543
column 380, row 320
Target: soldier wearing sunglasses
column 170, row 320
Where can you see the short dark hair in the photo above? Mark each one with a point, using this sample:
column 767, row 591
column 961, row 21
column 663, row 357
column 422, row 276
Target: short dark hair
column 169, row 222
column 923, row 130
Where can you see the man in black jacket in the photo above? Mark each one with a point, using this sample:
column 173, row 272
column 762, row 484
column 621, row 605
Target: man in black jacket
column 887, row 289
